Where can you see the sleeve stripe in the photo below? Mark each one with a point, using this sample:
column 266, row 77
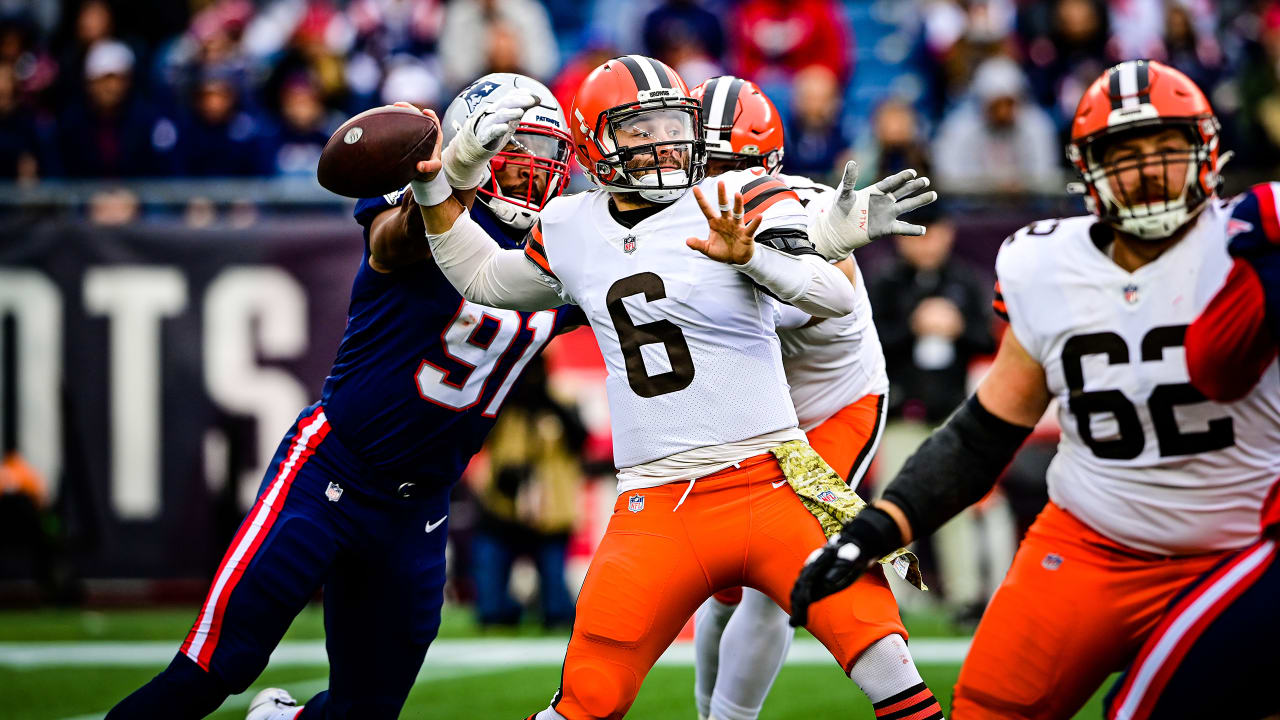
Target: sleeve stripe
column 759, row 198
column 537, row 257
column 760, row 204
column 769, row 186
column 534, row 250
column 1267, row 209
column 757, row 183
column 1001, row 310
column 998, row 290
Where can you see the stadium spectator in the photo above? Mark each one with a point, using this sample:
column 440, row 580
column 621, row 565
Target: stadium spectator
column 775, row 40
column 90, row 22
column 897, row 141
column 932, row 317
column 18, row 139
column 931, row 312
column 527, row 493
column 687, row 36
column 223, row 140
column 1068, row 47
column 959, row 35
column 413, row 82
column 997, row 140
column 1259, row 80
column 816, row 139
column 112, row 132
column 33, row 67
column 483, row 36
column 305, row 129
column 1186, row 48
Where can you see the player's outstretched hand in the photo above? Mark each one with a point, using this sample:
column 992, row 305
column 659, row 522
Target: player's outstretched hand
column 482, row 136
column 730, row 240
column 835, row 566
column 860, row 216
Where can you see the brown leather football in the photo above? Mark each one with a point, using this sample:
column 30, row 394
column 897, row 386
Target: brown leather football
column 377, row 151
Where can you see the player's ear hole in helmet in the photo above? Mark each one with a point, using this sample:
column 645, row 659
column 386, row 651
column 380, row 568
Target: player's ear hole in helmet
column 741, row 126
column 637, row 129
column 533, row 167
column 1145, row 141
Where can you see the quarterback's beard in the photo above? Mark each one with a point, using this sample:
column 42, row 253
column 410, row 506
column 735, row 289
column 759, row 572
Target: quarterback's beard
column 666, row 193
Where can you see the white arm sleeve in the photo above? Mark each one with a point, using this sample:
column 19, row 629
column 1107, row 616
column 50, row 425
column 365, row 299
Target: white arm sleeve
column 489, row 275
column 806, row 281
column 787, row 317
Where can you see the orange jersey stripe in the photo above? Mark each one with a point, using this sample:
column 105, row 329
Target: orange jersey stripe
column 533, row 250
column 768, row 202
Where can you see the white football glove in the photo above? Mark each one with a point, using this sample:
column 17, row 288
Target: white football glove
column 486, row 132
column 859, row 216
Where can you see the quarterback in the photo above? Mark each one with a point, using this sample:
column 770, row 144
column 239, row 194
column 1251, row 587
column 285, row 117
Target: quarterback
column 1153, row 484
column 717, row 486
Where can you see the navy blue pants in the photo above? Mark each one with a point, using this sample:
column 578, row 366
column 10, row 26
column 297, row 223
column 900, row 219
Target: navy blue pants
column 1214, row 653
column 319, row 521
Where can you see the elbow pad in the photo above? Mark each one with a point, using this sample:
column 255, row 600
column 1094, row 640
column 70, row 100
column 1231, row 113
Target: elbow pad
column 958, row 464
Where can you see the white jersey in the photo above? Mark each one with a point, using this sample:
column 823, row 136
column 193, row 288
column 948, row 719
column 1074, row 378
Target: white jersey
column 689, row 343
column 1144, row 459
column 838, row 361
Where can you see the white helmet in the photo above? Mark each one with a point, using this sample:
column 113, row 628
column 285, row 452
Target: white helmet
column 538, row 152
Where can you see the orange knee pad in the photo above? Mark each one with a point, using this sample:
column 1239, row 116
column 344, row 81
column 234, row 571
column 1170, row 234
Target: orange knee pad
column 598, row 690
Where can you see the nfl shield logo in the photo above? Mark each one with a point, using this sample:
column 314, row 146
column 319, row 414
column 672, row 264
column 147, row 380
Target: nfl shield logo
column 827, row 496
column 333, row 492
column 629, row 244
column 635, row 503
column 1052, row 561
column 1131, row 294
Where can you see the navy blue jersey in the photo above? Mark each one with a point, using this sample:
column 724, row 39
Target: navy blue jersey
column 421, row 372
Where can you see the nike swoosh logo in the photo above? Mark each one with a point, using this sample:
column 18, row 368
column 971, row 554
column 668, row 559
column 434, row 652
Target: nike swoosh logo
column 780, row 483
column 433, row 525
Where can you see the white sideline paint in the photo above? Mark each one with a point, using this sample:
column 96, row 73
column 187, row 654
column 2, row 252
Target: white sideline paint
column 306, row 688
column 473, row 653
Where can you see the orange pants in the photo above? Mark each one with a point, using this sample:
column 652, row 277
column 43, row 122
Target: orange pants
column 658, row 562
column 848, row 442
column 1074, row 608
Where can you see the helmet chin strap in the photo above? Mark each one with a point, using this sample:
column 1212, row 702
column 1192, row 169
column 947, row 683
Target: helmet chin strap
column 662, row 195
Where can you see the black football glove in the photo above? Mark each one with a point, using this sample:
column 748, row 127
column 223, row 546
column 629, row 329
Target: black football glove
column 834, row 566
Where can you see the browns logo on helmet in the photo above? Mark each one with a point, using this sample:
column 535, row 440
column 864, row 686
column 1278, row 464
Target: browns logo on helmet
column 740, row 124
column 637, row 129
column 1144, row 97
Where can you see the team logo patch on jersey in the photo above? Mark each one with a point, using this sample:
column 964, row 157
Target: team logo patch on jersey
column 1131, row 294
column 629, row 244
column 1052, row 561
column 1235, row 226
column 333, row 492
column 635, row 503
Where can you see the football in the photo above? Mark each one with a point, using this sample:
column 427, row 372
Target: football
column 375, row 152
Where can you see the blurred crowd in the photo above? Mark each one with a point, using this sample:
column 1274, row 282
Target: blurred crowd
column 977, row 91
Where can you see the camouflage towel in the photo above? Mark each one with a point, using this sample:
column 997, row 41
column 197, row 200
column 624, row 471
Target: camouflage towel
column 833, row 502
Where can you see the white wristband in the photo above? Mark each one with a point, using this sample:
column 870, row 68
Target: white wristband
column 466, row 161
column 431, row 192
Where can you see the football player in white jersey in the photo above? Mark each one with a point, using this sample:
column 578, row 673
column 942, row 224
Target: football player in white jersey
column 1152, row 484
column 1189, row 666
column 836, row 371
column 678, row 295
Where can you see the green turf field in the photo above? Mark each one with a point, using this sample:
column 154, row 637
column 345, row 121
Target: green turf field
column 86, row 687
